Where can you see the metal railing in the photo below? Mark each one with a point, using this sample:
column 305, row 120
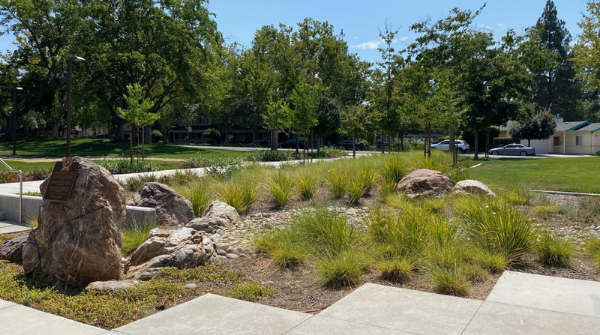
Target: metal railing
column 20, row 187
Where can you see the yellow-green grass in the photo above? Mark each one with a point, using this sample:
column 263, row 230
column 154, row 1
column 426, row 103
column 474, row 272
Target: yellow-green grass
column 578, row 174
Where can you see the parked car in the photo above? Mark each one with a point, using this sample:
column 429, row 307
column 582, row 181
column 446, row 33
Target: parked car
column 291, row 144
column 445, row 145
column 514, row 150
column 347, row 144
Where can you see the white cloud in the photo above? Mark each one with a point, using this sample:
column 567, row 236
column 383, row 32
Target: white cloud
column 501, row 25
column 485, row 26
column 368, row 45
column 356, row 37
column 403, row 38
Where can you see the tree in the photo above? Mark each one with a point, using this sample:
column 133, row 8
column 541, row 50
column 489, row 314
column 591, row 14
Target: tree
column 276, row 118
column 305, row 100
column 540, row 127
column 547, row 57
column 137, row 112
column 45, row 32
column 587, row 49
column 356, row 119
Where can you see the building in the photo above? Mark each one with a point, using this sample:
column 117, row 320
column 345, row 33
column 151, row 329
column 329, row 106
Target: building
column 571, row 138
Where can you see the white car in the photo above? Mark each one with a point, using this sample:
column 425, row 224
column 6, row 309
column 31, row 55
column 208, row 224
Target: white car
column 445, row 145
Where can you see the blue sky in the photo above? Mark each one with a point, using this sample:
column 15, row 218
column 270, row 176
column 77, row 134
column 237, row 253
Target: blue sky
column 361, row 20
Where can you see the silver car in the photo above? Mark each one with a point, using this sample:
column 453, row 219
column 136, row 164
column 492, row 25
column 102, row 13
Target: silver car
column 461, row 145
column 513, row 150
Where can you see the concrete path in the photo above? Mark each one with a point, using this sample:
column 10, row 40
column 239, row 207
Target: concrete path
column 519, row 304
column 10, row 227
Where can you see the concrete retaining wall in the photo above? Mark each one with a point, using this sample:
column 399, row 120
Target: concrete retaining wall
column 9, row 203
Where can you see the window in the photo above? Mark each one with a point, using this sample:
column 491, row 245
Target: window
column 578, row 140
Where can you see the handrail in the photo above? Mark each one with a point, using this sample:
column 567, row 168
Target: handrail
column 20, row 188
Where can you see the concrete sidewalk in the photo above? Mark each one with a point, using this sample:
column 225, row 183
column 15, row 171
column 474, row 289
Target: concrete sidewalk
column 519, row 304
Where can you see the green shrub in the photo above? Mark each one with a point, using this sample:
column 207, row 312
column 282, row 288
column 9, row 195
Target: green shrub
column 555, row 252
column 286, row 247
column 269, row 156
column 251, row 292
column 367, row 178
column 240, row 195
column 474, row 272
column 218, row 167
column 499, row 228
column 329, row 152
column 396, row 270
column 337, row 181
column 404, row 233
column 281, row 188
column 307, row 186
column 124, row 166
column 448, row 280
column 135, row 183
column 343, row 270
column 492, row 262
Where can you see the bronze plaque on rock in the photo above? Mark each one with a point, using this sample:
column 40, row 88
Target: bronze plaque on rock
column 62, row 181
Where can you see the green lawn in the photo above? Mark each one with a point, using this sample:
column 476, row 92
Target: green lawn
column 553, row 174
column 48, row 147
column 31, row 166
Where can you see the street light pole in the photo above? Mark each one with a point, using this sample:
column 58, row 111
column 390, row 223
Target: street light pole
column 14, row 117
column 69, row 88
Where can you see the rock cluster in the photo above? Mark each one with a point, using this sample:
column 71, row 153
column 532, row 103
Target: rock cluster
column 171, row 207
column 180, row 248
column 423, row 182
column 217, row 215
column 79, row 241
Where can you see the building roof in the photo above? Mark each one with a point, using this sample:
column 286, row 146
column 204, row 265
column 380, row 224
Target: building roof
column 593, row 127
column 570, row 126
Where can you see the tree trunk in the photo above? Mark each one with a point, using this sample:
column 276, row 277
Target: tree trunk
column 304, row 147
column 148, row 137
column 120, row 129
column 55, row 127
column 382, row 144
column 353, row 145
column 529, row 142
column 273, row 140
column 476, row 133
column 452, row 145
column 143, row 141
column 226, row 136
column 487, row 143
column 389, row 140
column 402, row 139
column 131, row 144
column 312, row 141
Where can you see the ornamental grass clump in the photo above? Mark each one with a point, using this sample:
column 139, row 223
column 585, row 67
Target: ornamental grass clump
column 344, row 269
column 396, row 270
column 449, row 280
column 404, row 234
column 200, row 195
column 593, row 249
column 281, row 187
column 499, row 228
column 356, row 190
column 588, row 208
column 554, row 251
column 240, row 195
column 134, row 234
column 307, row 186
column 328, row 231
column 337, row 181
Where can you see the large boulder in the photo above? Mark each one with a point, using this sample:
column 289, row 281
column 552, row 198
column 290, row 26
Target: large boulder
column 181, row 248
column 171, row 208
column 217, row 215
column 472, row 187
column 424, row 182
column 79, row 241
column 12, row 250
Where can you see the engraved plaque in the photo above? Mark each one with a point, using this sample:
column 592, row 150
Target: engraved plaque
column 62, row 181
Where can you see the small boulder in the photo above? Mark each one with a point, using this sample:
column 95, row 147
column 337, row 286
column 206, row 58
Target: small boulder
column 171, row 208
column 112, row 285
column 472, row 187
column 12, row 250
column 424, row 182
column 181, row 248
column 217, row 215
